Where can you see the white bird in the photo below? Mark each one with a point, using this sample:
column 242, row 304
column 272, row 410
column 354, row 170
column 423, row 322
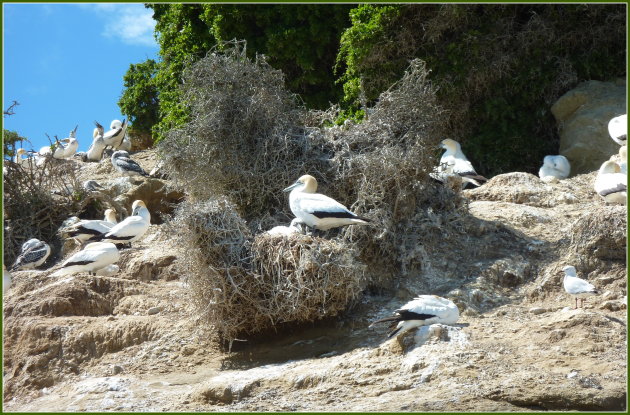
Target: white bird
column 95, row 152
column 453, row 161
column 422, row 311
column 316, row 210
column 125, row 143
column 557, row 167
column 125, row 165
column 114, row 137
column 34, row 253
column 6, row 280
column 129, row 230
column 623, row 159
column 618, row 129
column 85, row 229
column 93, row 257
column 577, row 287
column 108, row 271
column 285, row 230
column 71, row 144
column 91, row 185
column 611, row 184
column 56, row 150
column 24, row 162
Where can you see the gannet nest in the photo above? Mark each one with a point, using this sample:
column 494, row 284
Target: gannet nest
column 244, row 285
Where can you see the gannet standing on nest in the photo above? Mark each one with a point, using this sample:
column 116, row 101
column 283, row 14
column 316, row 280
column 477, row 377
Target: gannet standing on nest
column 618, row 129
column 124, row 164
column 316, row 210
column 453, row 161
column 114, row 137
column 129, row 230
column 422, row 311
column 577, row 287
column 34, row 253
column 71, row 146
column 124, row 143
column 95, row 152
column 554, row 167
column 85, row 229
column 93, row 257
column 611, row 184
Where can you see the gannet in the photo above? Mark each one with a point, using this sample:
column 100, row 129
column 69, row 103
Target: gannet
column 125, row 143
column 85, row 229
column 56, row 150
column 623, row 159
column 557, row 167
column 71, row 146
column 611, row 184
column 34, row 253
column 91, row 185
column 129, row 230
column 316, row 210
column 618, row 129
column 108, row 271
column 93, row 257
column 285, row 230
column 95, row 152
column 114, row 137
column 577, row 287
column 124, row 164
column 453, row 161
column 6, row 280
column 422, row 311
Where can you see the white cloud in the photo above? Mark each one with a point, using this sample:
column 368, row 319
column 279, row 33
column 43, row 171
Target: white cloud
column 131, row 23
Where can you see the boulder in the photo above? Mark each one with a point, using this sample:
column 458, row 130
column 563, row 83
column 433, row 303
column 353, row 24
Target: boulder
column 582, row 115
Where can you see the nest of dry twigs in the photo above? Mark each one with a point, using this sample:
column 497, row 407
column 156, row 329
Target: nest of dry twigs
column 243, row 285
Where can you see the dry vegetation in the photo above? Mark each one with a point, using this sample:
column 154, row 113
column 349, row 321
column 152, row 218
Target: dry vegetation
column 247, row 140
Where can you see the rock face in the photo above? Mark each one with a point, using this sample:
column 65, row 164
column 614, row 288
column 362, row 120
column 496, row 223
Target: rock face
column 132, row 342
column 582, row 115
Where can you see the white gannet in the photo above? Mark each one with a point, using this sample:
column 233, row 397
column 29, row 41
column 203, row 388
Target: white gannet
column 71, row 146
column 129, row 230
column 85, row 229
column 95, row 152
column 93, row 257
column 91, row 185
column 623, row 159
column 34, row 253
column 557, row 167
column 618, row 129
column 114, row 137
column 577, row 287
column 611, row 184
column 124, row 164
column 316, row 210
column 453, row 161
column 422, row 311
column 108, row 271
column 56, row 150
column 6, row 280
column 125, row 143
column 285, row 230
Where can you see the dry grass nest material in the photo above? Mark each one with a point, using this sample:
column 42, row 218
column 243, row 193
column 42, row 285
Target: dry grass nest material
column 243, row 285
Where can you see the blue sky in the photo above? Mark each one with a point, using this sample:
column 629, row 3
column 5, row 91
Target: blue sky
column 64, row 64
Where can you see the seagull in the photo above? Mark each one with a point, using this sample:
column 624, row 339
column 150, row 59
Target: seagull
column 108, row 271
column 34, row 253
column 316, row 210
column 285, row 230
column 453, row 161
column 116, row 134
column 618, row 129
column 124, row 164
column 83, row 230
column 91, row 185
column 422, row 311
column 6, row 280
column 557, row 167
column 577, row 287
column 129, row 230
column 611, row 184
column 95, row 152
column 93, row 257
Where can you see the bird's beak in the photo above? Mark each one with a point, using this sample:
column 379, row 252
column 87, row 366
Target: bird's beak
column 293, row 186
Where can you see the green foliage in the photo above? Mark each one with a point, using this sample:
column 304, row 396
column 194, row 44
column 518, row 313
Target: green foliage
column 301, row 40
column 499, row 67
column 9, row 140
column 139, row 101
